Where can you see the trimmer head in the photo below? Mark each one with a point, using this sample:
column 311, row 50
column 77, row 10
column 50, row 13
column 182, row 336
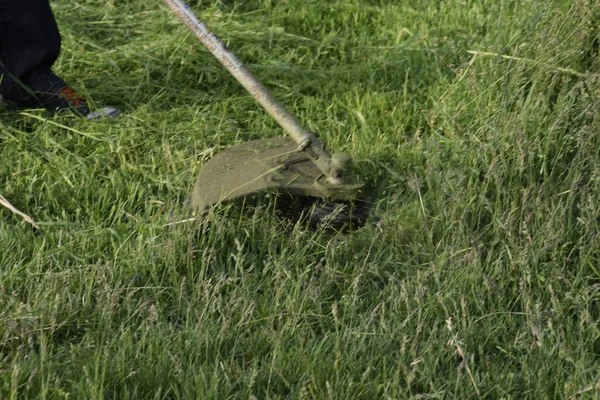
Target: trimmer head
column 268, row 165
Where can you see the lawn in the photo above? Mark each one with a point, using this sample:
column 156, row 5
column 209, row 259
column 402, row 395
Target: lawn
column 475, row 125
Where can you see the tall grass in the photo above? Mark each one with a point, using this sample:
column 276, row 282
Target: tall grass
column 475, row 126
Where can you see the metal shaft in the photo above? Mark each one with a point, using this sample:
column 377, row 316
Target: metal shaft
column 306, row 140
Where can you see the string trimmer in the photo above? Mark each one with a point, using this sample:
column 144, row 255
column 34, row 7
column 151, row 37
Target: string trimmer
column 299, row 166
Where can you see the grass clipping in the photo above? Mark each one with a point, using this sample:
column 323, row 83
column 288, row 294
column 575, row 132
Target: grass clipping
column 12, row 208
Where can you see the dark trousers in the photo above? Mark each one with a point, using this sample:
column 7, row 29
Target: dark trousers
column 29, row 45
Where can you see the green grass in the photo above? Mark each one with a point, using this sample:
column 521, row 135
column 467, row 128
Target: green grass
column 475, row 125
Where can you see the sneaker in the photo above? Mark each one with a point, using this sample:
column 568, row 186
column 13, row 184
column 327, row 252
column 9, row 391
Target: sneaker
column 68, row 99
column 47, row 90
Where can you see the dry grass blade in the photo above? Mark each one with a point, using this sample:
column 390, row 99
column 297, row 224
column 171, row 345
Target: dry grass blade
column 12, row 208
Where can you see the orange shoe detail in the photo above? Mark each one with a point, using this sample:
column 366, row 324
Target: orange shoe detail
column 71, row 96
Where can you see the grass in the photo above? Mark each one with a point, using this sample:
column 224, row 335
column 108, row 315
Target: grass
column 475, row 125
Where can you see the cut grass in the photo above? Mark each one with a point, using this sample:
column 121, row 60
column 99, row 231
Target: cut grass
column 474, row 124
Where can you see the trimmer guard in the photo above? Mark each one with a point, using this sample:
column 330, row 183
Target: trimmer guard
column 265, row 165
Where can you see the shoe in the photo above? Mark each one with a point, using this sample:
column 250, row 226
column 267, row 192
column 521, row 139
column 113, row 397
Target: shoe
column 68, row 99
column 47, row 90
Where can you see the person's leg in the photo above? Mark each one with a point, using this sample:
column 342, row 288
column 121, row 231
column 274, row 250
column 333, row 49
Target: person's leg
column 29, row 45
